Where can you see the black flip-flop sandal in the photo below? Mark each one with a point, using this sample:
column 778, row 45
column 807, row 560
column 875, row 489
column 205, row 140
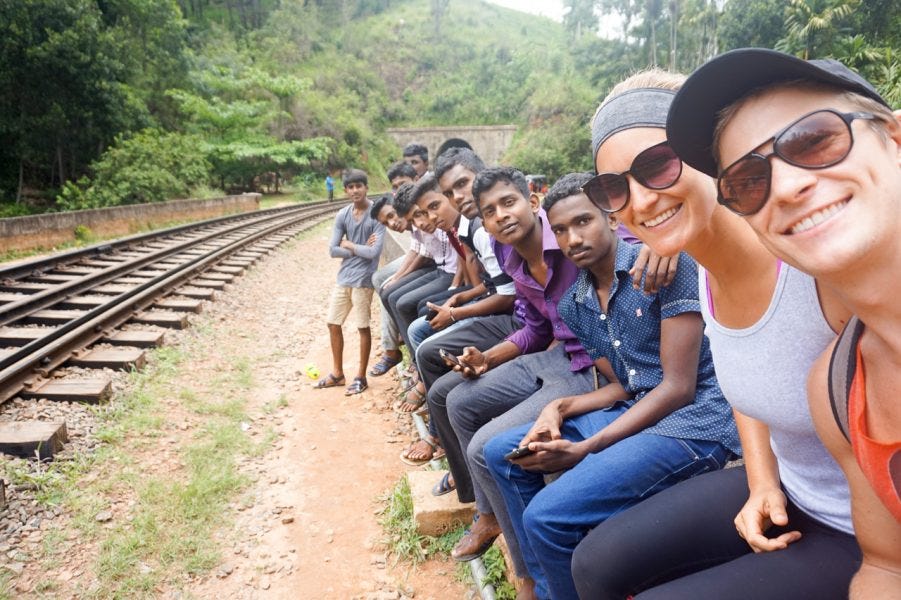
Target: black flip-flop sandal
column 444, row 486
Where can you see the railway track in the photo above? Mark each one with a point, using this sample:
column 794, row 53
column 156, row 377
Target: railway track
column 102, row 306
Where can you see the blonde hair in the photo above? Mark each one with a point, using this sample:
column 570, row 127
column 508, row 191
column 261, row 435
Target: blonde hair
column 651, row 78
column 883, row 113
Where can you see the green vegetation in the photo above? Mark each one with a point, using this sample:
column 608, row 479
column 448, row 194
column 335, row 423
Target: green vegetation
column 405, row 543
column 165, row 533
column 104, row 103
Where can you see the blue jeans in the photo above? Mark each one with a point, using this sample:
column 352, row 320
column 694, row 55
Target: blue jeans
column 549, row 521
column 420, row 330
column 507, row 396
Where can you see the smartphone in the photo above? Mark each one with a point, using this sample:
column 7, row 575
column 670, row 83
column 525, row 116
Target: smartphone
column 448, row 356
column 519, row 453
column 431, row 314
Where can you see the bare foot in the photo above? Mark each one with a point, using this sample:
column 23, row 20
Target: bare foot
column 422, row 451
column 413, row 399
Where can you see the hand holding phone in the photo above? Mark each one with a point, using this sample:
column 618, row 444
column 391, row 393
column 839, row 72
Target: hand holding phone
column 518, row 453
column 447, row 356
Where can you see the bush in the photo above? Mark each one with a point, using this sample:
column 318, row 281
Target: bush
column 149, row 166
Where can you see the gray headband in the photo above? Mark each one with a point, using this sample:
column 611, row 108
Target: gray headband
column 643, row 107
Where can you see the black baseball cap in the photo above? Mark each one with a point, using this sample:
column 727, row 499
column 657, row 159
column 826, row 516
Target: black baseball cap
column 726, row 78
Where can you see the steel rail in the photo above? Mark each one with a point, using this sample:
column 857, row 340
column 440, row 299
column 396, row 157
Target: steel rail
column 40, row 356
column 40, row 266
column 12, row 311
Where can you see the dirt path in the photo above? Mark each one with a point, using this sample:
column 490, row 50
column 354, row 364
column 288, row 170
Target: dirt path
column 309, row 527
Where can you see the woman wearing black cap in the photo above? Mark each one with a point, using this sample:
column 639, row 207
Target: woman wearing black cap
column 780, row 526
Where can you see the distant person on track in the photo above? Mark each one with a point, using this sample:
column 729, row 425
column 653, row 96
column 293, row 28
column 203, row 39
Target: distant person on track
column 417, row 156
column 330, row 186
column 353, row 291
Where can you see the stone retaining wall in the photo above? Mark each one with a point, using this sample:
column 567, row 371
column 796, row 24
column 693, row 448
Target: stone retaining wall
column 53, row 229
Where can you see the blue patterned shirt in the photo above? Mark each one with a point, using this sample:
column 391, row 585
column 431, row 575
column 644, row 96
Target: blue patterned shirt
column 628, row 335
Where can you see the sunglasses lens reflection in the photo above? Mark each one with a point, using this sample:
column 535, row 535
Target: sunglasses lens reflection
column 816, row 141
column 656, row 168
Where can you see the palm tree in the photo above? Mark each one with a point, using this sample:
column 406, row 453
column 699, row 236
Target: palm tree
column 810, row 32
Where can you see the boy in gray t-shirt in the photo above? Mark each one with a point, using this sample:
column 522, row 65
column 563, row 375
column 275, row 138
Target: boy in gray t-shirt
column 357, row 240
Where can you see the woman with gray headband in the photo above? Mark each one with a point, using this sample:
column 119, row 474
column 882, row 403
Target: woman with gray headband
column 780, row 526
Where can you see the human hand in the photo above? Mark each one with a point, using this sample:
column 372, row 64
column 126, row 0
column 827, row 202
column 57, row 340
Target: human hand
column 546, row 427
column 552, row 456
column 442, row 316
column 388, row 282
column 472, row 363
column 373, row 238
column 762, row 510
column 347, row 245
column 661, row 270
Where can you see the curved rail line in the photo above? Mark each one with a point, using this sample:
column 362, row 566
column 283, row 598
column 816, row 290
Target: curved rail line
column 85, row 294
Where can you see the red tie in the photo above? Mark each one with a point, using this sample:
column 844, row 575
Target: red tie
column 455, row 242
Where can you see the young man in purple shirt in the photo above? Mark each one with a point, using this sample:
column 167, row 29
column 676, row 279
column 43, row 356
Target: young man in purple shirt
column 512, row 381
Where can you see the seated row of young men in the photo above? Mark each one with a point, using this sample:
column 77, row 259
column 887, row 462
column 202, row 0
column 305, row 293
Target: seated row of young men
column 579, row 370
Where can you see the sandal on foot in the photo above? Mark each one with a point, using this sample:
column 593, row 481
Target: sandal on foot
column 383, row 366
column 329, row 381
column 444, row 487
column 482, row 549
column 408, row 384
column 428, row 455
column 359, row 384
column 417, row 400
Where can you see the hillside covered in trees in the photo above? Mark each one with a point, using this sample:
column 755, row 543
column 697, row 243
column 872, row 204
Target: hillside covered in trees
column 105, row 102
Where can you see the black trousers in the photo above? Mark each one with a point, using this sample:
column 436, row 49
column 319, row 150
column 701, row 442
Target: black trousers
column 682, row 544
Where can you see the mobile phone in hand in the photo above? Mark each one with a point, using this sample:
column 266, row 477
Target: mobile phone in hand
column 518, row 453
column 431, row 314
column 448, row 356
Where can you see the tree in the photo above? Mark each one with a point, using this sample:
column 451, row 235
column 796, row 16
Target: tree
column 751, row 23
column 439, row 7
column 812, row 27
column 579, row 18
column 63, row 91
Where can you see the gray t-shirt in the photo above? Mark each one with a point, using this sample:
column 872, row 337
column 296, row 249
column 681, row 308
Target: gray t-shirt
column 358, row 266
column 762, row 371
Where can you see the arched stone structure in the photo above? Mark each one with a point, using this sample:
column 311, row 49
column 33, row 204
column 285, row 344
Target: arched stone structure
column 490, row 142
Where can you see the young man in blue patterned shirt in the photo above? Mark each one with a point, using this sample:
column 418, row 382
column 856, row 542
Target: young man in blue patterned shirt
column 662, row 420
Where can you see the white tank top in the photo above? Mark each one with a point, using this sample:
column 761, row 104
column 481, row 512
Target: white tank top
column 762, row 371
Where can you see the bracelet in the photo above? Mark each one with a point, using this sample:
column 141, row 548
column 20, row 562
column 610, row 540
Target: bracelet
column 453, row 319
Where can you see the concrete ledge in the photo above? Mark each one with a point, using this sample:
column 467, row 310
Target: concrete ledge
column 395, row 245
column 53, row 229
column 435, row 515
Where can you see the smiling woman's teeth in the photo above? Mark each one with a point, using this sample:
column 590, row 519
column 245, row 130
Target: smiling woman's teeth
column 661, row 217
column 818, row 217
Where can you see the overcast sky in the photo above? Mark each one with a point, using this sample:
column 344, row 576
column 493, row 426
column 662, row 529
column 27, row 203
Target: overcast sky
column 545, row 8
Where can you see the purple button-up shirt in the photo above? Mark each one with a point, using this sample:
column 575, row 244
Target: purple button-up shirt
column 537, row 304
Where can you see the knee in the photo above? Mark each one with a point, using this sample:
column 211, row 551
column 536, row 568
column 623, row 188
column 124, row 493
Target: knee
column 476, row 450
column 494, row 452
column 535, row 518
column 456, row 404
column 597, row 571
column 585, row 571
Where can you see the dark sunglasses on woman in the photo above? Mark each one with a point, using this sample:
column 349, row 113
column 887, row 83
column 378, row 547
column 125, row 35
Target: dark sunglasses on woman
column 817, row 140
column 656, row 168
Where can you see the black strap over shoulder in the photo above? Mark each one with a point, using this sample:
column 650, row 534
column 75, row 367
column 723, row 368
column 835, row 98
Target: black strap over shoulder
column 842, row 366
